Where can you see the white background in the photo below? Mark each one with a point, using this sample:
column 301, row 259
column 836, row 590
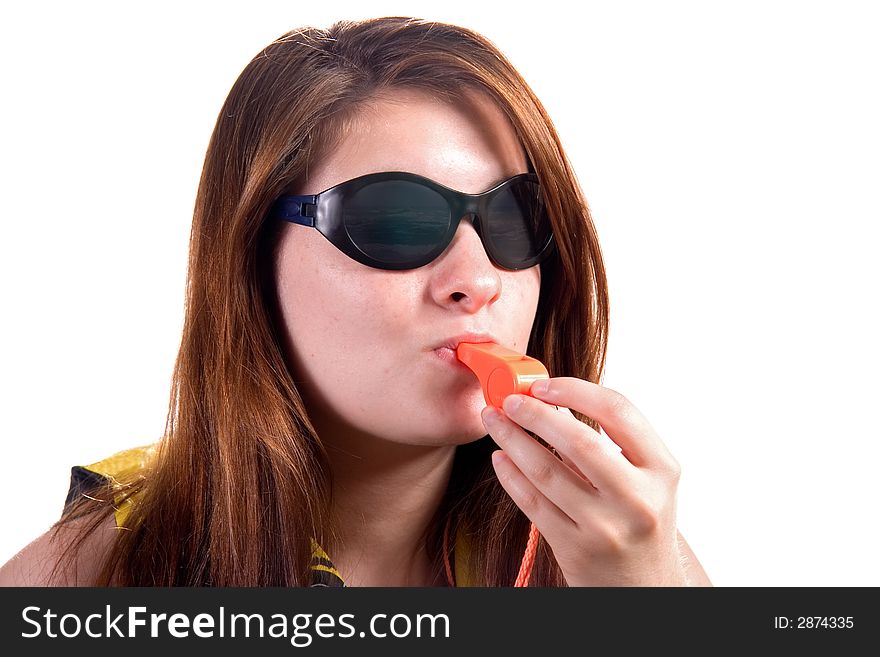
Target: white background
column 731, row 157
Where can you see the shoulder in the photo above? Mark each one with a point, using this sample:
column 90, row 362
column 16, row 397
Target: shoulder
column 694, row 572
column 121, row 465
column 40, row 563
column 115, row 473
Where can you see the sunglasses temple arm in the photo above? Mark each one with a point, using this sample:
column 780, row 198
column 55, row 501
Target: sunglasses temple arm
column 296, row 209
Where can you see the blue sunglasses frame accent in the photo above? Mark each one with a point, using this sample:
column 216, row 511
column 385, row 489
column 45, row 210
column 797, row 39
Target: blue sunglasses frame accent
column 508, row 244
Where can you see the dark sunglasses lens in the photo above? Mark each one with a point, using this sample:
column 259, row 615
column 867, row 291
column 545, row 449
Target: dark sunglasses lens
column 519, row 228
column 396, row 222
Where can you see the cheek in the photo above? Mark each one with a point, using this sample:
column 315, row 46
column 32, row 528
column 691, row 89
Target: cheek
column 524, row 289
column 313, row 294
column 332, row 307
column 318, row 305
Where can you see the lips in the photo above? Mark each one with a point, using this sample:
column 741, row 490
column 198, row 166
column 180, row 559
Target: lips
column 445, row 349
column 452, row 342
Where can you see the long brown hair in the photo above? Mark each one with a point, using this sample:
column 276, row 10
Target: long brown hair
column 241, row 482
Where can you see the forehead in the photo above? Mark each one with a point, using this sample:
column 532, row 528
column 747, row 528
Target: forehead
column 468, row 144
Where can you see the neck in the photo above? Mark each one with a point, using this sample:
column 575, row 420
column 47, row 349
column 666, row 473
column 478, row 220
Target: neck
column 384, row 497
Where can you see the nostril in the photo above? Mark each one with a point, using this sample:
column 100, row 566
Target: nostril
column 458, row 296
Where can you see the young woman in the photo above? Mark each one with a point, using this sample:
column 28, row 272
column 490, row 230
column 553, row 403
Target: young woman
column 321, row 430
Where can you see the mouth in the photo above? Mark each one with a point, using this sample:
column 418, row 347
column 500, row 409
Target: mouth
column 448, row 355
column 446, row 349
column 452, row 342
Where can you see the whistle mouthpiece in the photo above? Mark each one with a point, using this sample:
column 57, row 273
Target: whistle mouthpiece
column 501, row 371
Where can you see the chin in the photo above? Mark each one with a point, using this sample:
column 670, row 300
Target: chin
column 465, row 432
column 438, row 420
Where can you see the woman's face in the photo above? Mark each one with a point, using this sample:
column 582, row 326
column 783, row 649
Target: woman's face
column 366, row 345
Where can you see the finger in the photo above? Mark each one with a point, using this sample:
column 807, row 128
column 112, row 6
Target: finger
column 565, row 459
column 596, row 456
column 570, row 493
column 548, row 518
column 620, row 419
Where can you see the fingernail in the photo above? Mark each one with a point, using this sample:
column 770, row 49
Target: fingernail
column 512, row 403
column 540, row 387
column 491, row 416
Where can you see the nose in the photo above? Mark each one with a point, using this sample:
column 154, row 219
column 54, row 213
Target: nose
column 463, row 276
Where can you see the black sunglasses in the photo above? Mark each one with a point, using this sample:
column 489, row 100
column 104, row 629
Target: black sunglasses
column 400, row 220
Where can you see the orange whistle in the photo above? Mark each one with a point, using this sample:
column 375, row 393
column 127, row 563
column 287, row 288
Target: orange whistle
column 501, row 371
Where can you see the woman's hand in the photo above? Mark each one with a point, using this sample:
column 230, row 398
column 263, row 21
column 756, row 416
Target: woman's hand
column 608, row 508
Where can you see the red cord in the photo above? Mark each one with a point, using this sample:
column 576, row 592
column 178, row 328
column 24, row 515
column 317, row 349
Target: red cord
column 525, row 568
